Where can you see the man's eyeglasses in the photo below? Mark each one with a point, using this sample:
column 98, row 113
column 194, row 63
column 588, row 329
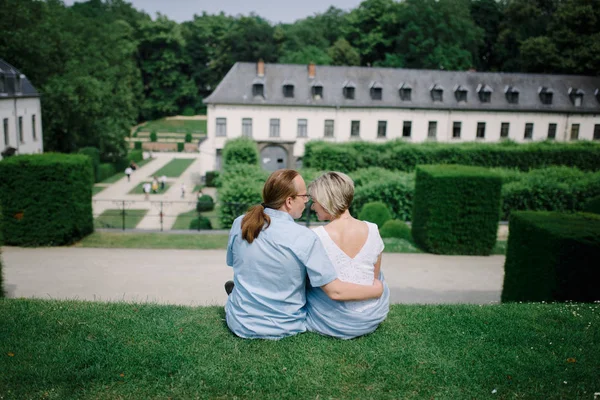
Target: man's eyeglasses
column 306, row 197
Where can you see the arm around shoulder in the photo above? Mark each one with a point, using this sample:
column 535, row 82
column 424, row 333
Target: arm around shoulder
column 344, row 291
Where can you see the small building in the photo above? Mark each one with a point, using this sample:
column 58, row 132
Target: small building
column 283, row 106
column 20, row 113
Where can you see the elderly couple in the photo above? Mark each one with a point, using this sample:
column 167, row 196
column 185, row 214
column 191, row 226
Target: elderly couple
column 288, row 279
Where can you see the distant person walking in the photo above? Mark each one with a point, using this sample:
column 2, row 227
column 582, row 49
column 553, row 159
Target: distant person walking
column 128, row 172
column 163, row 181
column 154, row 185
column 182, row 190
column 147, row 188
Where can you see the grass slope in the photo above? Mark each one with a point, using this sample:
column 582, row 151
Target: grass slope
column 175, row 125
column 174, row 168
column 113, row 218
column 85, row 350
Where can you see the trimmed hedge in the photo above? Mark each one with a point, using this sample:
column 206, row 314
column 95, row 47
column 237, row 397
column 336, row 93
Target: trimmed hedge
column 395, row 192
column 200, row 223
column 396, row 229
column 592, row 206
column 404, row 156
column 240, row 151
column 375, row 212
column 456, row 209
column 136, row 156
column 180, row 146
column 211, row 178
column 46, row 199
column 153, row 136
column 105, row 170
column 552, row 257
column 205, row 203
column 188, row 137
column 137, row 145
column 241, row 187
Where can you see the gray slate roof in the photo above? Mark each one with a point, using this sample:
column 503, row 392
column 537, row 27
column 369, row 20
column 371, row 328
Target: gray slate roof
column 236, row 88
column 10, row 73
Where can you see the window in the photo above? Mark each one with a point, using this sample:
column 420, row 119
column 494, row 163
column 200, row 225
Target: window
column 405, row 94
column 480, row 130
column 274, row 127
column 288, row 91
column 485, row 93
column 576, row 96
column 302, row 128
column 247, row 127
column 504, row 129
column 355, row 129
column 317, row 92
column 545, row 95
column 528, row 131
column 437, row 95
column 349, row 92
column 381, row 129
column 2, row 83
column 20, row 128
column 461, row 94
column 597, row 132
column 551, row 131
column 328, row 128
column 258, row 89
column 221, row 126
column 456, row 127
column 5, row 123
column 512, row 95
column 33, row 131
column 574, row 131
column 406, row 129
column 376, row 93
column 432, row 130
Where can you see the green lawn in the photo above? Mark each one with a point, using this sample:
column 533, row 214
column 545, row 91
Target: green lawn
column 154, row 241
column 120, row 175
column 114, row 219
column 87, row 350
column 179, row 125
column 174, row 168
column 393, row 245
column 183, row 220
column 139, row 189
column 97, row 189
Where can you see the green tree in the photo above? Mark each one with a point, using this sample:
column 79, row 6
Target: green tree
column 342, row 53
column 487, row 15
column 306, row 55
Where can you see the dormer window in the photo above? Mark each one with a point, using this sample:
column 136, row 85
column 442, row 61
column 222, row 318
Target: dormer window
column 485, row 93
column 258, row 88
column 376, row 91
column 317, row 91
column 460, row 92
column 405, row 91
column 437, row 92
column 576, row 96
column 546, row 94
column 512, row 94
column 288, row 89
column 349, row 90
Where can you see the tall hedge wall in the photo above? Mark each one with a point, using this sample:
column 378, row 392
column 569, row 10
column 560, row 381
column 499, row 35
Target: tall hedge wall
column 552, row 257
column 46, row 199
column 456, row 209
column 240, row 151
column 404, row 156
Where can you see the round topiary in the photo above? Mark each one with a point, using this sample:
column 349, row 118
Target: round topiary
column 375, row 212
column 592, row 205
column 395, row 228
column 200, row 223
column 188, row 137
column 153, row 136
column 205, row 203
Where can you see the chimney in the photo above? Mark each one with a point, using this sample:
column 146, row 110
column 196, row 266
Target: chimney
column 311, row 70
column 260, row 68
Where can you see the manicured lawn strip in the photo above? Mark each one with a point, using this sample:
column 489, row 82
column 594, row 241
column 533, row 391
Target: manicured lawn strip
column 117, row 240
column 97, row 189
column 183, row 220
column 89, row 350
column 114, row 219
column 175, row 125
column 120, row 175
column 174, row 168
column 393, row 245
column 139, row 189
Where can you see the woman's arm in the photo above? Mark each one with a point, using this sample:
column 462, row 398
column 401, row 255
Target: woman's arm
column 378, row 266
column 343, row 291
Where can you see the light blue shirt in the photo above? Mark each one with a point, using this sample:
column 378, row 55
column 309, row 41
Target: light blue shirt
column 269, row 297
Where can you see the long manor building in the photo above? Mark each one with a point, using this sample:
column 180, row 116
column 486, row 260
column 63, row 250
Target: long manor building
column 283, row 106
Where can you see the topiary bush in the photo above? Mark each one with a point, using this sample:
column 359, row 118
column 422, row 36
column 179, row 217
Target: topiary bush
column 456, row 209
column 200, row 223
column 46, row 199
column 136, row 156
column 552, row 257
column 395, row 228
column 205, row 203
column 153, row 136
column 375, row 212
column 188, row 137
column 592, row 206
column 180, row 146
column 211, row 178
column 395, row 192
column 137, row 145
column 240, row 151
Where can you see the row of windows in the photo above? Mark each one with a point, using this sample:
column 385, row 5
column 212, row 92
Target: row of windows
column 20, row 132
column 328, row 129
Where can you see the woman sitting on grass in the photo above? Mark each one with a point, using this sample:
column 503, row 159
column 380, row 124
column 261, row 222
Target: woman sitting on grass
column 354, row 247
column 271, row 256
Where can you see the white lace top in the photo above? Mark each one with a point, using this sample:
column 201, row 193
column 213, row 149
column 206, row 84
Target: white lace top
column 360, row 268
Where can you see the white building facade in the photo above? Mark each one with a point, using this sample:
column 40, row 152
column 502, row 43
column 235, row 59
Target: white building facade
column 284, row 106
column 20, row 114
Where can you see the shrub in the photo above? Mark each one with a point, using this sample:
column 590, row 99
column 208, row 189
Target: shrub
column 395, row 228
column 237, row 194
column 240, row 151
column 94, row 155
column 46, row 199
column 211, row 177
column 375, row 212
column 456, row 209
column 180, row 146
column 188, row 137
column 153, row 136
column 136, row 156
column 552, row 257
column 365, row 176
column 397, row 193
column 105, row 170
column 2, row 293
column 327, row 157
column 137, row 145
column 592, row 206
column 200, row 223
column 205, row 203
column 188, row 111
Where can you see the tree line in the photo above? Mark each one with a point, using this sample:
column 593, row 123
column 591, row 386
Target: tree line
column 102, row 66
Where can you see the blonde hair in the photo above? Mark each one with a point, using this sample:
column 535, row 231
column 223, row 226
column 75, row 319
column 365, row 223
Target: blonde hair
column 334, row 191
column 278, row 187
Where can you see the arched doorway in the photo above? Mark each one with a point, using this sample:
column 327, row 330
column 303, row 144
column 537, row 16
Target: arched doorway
column 273, row 157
